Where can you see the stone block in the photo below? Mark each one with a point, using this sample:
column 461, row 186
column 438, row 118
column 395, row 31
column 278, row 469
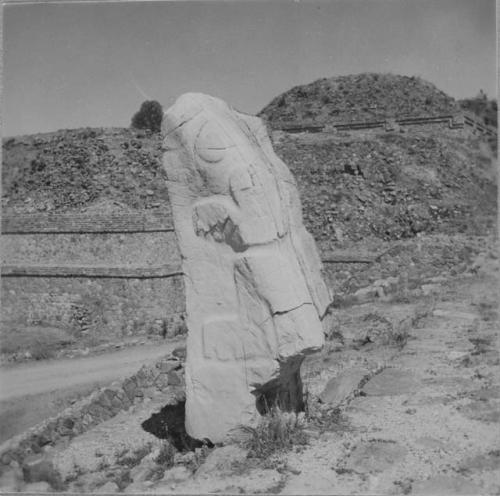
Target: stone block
column 38, row 468
column 341, row 387
column 129, row 387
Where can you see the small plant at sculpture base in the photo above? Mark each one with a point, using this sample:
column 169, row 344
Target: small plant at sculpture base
column 166, row 455
column 324, row 418
column 277, row 431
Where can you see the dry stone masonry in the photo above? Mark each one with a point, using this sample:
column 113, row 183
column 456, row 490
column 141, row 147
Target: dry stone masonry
column 255, row 298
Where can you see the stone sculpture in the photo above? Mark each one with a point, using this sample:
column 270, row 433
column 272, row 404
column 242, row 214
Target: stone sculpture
column 255, row 297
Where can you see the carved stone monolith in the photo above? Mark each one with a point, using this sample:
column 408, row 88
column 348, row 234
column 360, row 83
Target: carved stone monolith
column 255, row 298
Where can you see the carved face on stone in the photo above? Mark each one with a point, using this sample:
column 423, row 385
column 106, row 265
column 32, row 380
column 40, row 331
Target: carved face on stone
column 215, row 149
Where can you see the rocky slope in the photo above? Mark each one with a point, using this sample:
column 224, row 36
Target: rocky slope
column 393, row 186
column 75, row 169
column 390, row 186
column 360, row 97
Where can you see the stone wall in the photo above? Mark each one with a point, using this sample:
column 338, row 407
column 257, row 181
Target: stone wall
column 145, row 249
column 164, row 379
column 118, row 273
column 114, row 306
column 86, row 223
column 457, row 122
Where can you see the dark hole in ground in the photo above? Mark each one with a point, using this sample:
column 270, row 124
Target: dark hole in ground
column 168, row 424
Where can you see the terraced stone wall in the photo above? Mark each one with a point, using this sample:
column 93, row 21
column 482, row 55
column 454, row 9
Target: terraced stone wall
column 120, row 273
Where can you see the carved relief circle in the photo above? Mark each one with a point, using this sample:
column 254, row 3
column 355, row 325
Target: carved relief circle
column 210, row 145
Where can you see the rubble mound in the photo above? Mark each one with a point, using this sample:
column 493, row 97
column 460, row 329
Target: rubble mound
column 360, row 97
column 393, row 186
column 74, row 169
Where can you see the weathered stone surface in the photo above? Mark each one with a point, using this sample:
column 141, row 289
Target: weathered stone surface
column 222, row 460
column 391, row 382
column 445, row 485
column 484, row 411
column 38, row 468
column 11, row 481
column 38, row 487
column 375, row 456
column 254, row 292
column 342, row 386
column 108, row 488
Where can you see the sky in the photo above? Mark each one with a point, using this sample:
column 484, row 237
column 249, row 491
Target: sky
column 70, row 65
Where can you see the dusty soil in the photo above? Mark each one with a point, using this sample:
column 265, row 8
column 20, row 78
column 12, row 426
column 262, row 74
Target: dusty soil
column 418, row 417
column 404, row 399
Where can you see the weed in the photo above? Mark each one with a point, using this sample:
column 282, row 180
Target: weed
column 402, row 298
column 404, row 485
column 488, row 310
column 195, row 459
column 423, row 311
column 166, row 455
column 277, row 431
column 399, row 338
column 328, row 419
column 127, row 459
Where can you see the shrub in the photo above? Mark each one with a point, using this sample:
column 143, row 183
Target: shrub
column 166, row 455
column 276, row 431
column 149, row 116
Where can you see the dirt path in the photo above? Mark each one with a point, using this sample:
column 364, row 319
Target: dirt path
column 36, row 378
column 32, row 392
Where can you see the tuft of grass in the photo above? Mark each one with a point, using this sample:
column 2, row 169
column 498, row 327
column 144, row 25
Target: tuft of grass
column 166, row 456
column 276, row 432
column 131, row 459
column 328, row 419
column 488, row 310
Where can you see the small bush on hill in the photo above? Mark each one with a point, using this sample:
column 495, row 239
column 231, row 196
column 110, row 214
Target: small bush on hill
column 483, row 107
column 149, row 116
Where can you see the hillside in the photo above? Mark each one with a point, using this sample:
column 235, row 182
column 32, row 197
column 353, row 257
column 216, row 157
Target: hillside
column 390, row 186
column 361, row 97
column 393, row 186
column 75, row 169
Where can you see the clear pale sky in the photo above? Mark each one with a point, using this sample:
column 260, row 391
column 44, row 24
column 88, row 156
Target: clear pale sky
column 93, row 64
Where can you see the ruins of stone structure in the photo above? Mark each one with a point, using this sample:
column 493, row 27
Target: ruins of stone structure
column 255, row 296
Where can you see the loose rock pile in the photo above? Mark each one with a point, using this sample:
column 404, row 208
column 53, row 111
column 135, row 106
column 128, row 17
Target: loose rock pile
column 76, row 168
column 392, row 187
